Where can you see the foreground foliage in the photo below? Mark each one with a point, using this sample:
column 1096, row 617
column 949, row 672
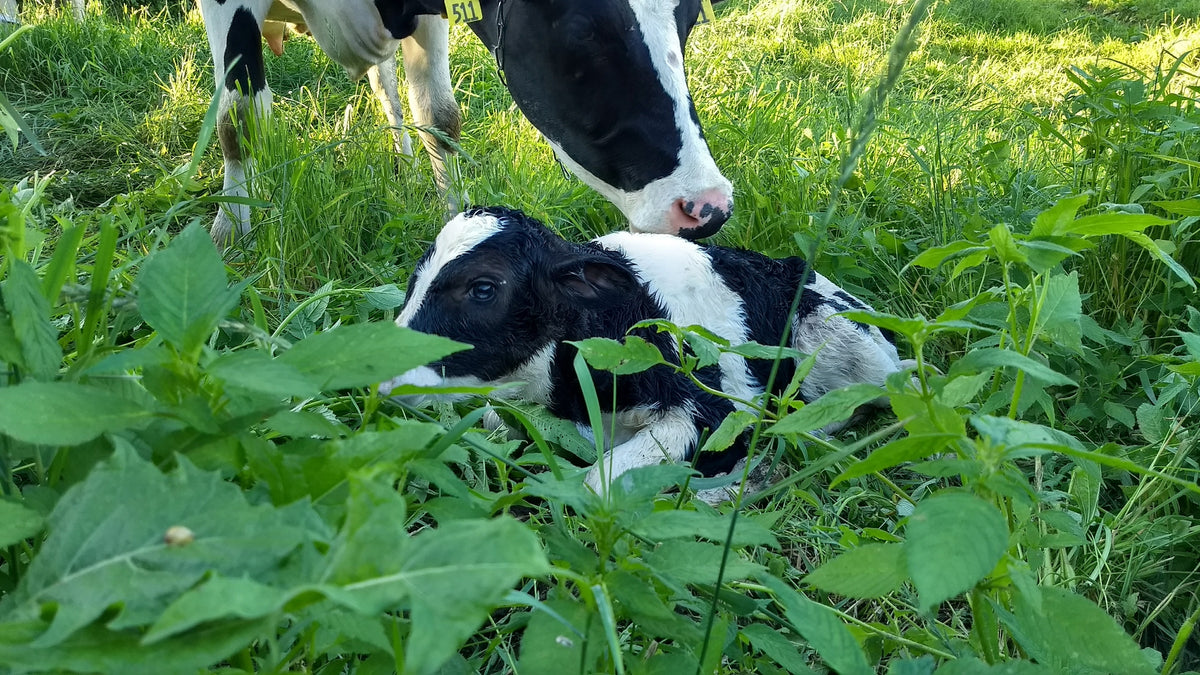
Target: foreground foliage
column 198, row 474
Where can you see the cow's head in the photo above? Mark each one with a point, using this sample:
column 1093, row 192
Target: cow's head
column 603, row 80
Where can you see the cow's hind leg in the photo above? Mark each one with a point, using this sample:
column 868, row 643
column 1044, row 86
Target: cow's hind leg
column 235, row 37
column 431, row 98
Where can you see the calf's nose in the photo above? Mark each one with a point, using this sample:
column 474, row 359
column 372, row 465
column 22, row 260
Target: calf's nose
column 700, row 216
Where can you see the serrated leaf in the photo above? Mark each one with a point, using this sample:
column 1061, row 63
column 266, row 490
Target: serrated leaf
column 1149, row 244
column 257, row 371
column 565, row 643
column 1071, row 631
column 621, row 358
column 1119, row 413
column 217, row 598
column 823, row 630
column 661, row 525
column 1180, row 207
column 868, row 571
column 907, row 449
column 754, row 350
column 1056, row 219
column 385, row 297
column 768, row 641
column 697, row 562
column 107, row 545
column 1005, row 246
column 1152, row 423
column 1113, row 222
column 954, row 540
column 1062, row 308
column 29, row 313
column 728, row 431
column 17, row 523
column 65, row 413
column 969, row 665
column 183, row 291
column 364, row 354
column 834, row 406
column 978, row 360
column 933, row 257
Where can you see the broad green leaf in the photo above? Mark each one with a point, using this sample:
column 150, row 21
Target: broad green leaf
column 906, row 326
column 632, row 356
column 217, row 598
column 907, row 449
column 108, row 545
column 385, row 297
column 445, row 576
column 566, row 643
column 933, row 257
column 754, row 350
column 1113, row 222
column 662, row 525
column 1056, row 219
column 978, row 360
column 969, row 665
column 1147, row 243
column 1005, row 246
column 1059, row 318
column 823, row 630
column 834, row 406
column 868, row 571
column 96, row 650
column 1070, row 631
column 65, row 413
column 1180, row 207
column 1085, row 487
column 1016, row 433
column 767, row 640
column 1152, row 422
column 256, row 371
column 635, row 489
column 638, row 600
column 728, row 431
column 919, row 666
column 954, row 539
column 697, row 562
column 183, row 291
column 364, row 354
column 30, row 315
column 17, row 522
column 1191, row 341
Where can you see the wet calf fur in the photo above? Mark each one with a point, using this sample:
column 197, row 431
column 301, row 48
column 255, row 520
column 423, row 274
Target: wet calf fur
column 504, row 283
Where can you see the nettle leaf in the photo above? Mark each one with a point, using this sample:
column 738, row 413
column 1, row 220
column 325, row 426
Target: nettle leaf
column 65, row 413
column 1113, row 222
column 978, row 360
column 1005, row 246
column 632, row 356
column 1070, row 631
column 385, row 297
column 834, row 406
column 1057, row 219
column 555, row 641
column 698, row 562
column 713, row 526
column 1017, row 434
column 754, row 350
column 823, row 630
column 365, row 354
column 868, row 571
column 1062, row 309
column 183, row 291
column 17, row 523
column 729, row 430
column 767, row 640
column 907, row 449
column 450, row 578
column 954, row 540
column 30, row 315
column 969, row 665
column 108, row 549
column 257, row 371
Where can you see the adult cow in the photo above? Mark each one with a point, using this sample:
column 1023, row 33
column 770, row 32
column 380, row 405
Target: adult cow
column 603, row 81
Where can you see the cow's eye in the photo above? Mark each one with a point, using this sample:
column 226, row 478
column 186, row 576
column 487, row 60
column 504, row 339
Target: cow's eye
column 482, row 291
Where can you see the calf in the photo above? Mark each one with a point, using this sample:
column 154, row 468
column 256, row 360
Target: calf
column 504, row 283
column 602, row 80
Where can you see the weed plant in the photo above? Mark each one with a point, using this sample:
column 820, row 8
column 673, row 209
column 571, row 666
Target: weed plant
column 196, row 474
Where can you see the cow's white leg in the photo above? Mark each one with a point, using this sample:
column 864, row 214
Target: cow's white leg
column 8, row 12
column 431, row 99
column 79, row 9
column 667, row 438
column 235, row 38
column 384, row 83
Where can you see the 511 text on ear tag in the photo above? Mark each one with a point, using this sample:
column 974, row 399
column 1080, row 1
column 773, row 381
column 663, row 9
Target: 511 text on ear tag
column 469, row 11
column 706, row 12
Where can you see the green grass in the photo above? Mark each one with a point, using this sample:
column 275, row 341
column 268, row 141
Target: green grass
column 1004, row 109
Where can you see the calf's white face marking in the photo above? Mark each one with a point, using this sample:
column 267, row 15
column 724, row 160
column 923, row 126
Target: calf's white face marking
column 457, row 238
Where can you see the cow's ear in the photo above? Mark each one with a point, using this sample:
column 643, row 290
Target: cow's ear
column 590, row 279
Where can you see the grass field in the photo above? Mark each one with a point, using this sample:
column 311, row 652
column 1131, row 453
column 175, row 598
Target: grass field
column 1033, row 186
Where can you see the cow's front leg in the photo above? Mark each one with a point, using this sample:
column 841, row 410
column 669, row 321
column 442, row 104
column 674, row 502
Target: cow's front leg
column 235, row 38
column 385, row 84
column 431, row 99
column 669, row 436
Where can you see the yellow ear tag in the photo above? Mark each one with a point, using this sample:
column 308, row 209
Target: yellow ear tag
column 706, row 12
column 463, row 11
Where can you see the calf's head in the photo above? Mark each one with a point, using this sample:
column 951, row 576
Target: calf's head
column 505, row 284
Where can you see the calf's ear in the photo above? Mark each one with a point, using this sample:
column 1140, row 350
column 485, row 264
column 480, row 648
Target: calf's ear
column 590, row 279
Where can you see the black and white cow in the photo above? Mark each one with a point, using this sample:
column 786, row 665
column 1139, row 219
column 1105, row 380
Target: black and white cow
column 603, row 81
column 506, row 284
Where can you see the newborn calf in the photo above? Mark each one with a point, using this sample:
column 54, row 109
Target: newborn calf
column 501, row 281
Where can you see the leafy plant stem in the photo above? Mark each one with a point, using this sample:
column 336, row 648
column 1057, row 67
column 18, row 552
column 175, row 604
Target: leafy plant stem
column 1185, row 632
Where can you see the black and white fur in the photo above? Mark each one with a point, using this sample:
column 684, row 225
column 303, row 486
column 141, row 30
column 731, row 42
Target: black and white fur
column 603, row 81
column 507, row 285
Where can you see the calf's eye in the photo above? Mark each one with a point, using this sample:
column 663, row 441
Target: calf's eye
column 482, row 291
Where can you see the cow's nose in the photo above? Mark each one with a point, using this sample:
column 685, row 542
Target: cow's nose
column 700, row 216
